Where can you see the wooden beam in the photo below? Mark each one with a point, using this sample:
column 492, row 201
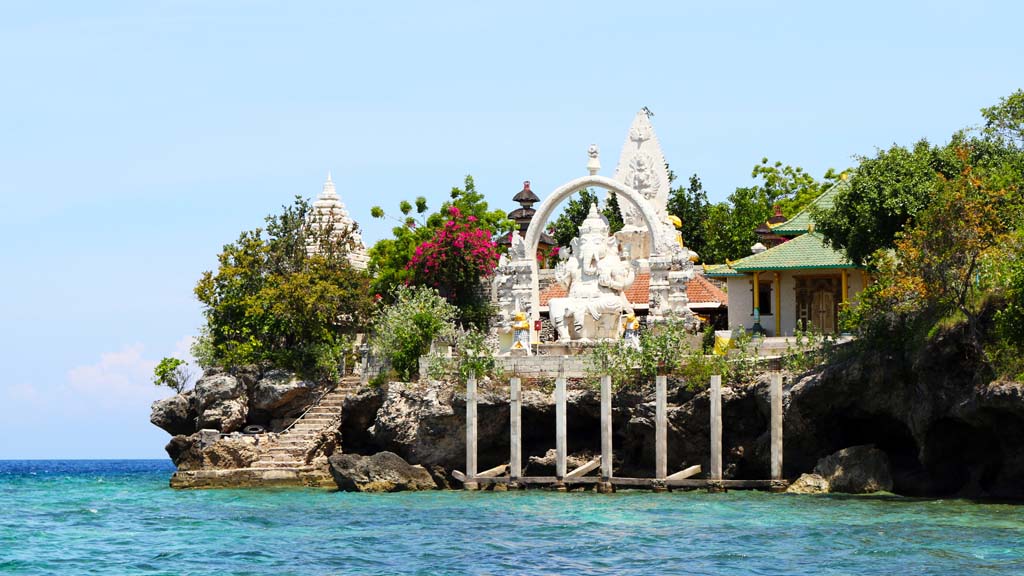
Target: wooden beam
column 716, row 427
column 492, row 472
column 776, row 423
column 585, row 469
column 458, row 475
column 660, row 429
column 560, row 439
column 606, row 427
column 685, row 473
column 516, row 432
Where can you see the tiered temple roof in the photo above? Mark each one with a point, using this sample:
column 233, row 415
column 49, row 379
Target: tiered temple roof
column 328, row 210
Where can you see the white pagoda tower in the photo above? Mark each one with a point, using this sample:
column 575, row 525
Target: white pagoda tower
column 328, row 210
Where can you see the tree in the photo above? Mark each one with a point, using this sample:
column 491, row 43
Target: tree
column 404, row 329
column 390, row 257
column 173, row 373
column 1005, row 121
column 567, row 225
column 884, row 193
column 690, row 204
column 727, row 229
column 454, row 260
column 273, row 303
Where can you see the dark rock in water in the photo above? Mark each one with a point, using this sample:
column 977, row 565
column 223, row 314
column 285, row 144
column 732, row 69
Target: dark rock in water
column 441, row 477
column 279, row 395
column 545, row 465
column 175, row 415
column 222, row 402
column 382, row 472
column 809, row 484
column 856, row 470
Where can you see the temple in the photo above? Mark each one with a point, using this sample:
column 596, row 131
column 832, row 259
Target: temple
column 602, row 281
column 799, row 283
column 328, row 212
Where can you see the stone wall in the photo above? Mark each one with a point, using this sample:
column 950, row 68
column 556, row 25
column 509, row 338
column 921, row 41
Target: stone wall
column 531, row 366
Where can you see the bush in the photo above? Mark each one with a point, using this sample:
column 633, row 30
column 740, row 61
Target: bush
column 404, row 330
column 173, row 373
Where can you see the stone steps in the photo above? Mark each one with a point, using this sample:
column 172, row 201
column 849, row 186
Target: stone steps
column 287, row 454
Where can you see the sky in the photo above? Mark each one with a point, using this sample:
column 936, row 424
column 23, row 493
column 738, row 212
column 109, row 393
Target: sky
column 137, row 138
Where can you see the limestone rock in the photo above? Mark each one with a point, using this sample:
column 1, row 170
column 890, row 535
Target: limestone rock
column 856, row 470
column 382, row 472
column 809, row 484
column 195, row 453
column 221, row 402
column 174, row 415
column 279, row 393
column 425, row 424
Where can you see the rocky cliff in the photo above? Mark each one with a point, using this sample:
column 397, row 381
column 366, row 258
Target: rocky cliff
column 941, row 431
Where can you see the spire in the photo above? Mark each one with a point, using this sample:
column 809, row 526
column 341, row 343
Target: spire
column 328, row 189
column 642, row 168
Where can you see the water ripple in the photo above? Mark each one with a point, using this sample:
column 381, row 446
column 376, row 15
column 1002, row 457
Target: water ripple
column 119, row 517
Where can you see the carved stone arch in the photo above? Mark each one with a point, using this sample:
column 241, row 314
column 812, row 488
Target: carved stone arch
column 560, row 194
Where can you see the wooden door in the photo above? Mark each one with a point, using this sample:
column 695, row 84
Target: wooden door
column 823, row 311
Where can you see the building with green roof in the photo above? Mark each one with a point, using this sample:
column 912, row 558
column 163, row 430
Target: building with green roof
column 800, row 282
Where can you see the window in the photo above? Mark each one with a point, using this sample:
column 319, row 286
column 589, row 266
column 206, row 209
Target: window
column 764, row 294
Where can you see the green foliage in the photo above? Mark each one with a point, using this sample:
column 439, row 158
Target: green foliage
column 664, row 349
column 271, row 304
column 390, row 257
column 173, row 373
column 884, row 193
column 472, row 355
column 808, row 349
column 1004, row 122
column 725, row 231
column 567, row 225
column 690, row 205
column 404, row 329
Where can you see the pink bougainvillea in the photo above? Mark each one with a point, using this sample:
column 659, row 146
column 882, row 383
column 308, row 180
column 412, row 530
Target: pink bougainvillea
column 456, row 258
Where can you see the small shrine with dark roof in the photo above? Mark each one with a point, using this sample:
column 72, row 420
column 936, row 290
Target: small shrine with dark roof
column 523, row 215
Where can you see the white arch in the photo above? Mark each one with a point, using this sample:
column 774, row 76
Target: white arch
column 547, row 208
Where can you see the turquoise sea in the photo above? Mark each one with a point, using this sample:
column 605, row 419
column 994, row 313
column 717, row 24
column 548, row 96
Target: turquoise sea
column 119, row 517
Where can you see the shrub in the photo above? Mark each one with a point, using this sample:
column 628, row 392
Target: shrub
column 404, row 330
column 173, row 373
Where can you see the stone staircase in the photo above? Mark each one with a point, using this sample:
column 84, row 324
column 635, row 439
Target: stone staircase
column 282, row 461
column 290, row 448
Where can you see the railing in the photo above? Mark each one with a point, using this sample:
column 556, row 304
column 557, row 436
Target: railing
column 316, row 403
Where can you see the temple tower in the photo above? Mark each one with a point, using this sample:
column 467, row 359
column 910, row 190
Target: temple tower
column 329, row 211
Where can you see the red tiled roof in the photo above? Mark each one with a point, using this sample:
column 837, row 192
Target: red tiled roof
column 701, row 290
column 698, row 290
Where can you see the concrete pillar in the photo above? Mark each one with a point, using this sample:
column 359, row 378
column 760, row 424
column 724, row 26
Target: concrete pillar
column 776, row 423
column 516, row 432
column 660, row 429
column 716, row 427
column 606, row 428
column 471, row 431
column 560, row 447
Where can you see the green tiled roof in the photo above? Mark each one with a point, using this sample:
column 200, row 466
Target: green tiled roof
column 802, row 220
column 720, row 271
column 802, row 252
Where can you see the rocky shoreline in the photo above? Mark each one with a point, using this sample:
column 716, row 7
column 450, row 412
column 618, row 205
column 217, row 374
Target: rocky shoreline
column 864, row 424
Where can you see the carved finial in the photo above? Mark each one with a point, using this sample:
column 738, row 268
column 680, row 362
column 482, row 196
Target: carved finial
column 328, row 189
column 647, row 111
column 594, row 163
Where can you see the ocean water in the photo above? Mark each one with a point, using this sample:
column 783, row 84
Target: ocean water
column 119, row 517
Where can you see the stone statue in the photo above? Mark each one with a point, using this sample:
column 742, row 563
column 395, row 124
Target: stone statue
column 631, row 331
column 521, row 333
column 596, row 278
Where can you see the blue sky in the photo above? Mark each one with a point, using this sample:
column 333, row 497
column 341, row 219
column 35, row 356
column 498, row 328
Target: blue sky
column 136, row 138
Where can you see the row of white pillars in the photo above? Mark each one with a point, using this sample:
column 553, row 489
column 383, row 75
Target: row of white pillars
column 661, row 429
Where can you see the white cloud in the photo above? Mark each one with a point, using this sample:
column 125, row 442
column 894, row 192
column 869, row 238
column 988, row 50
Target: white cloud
column 121, row 375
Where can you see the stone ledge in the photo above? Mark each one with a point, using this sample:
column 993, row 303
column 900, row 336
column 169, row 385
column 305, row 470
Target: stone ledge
column 306, row 477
